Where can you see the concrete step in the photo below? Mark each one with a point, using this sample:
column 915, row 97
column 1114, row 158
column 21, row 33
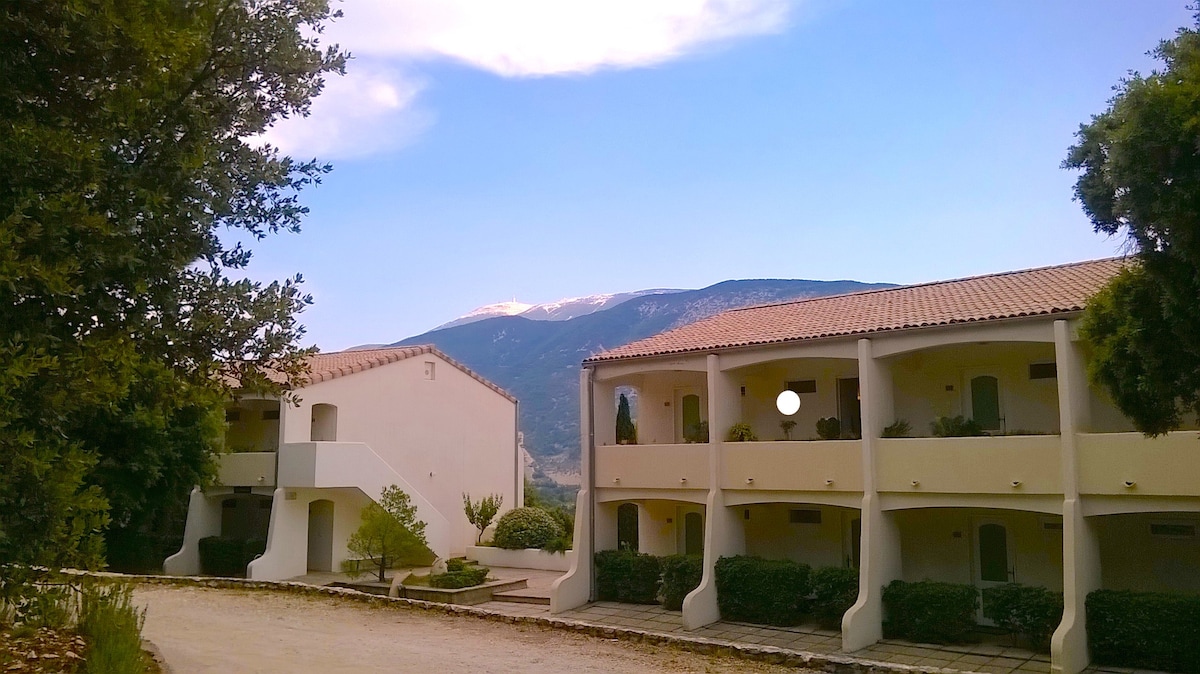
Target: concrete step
column 531, row 595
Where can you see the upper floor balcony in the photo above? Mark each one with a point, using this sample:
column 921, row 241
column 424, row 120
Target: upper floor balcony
column 246, row 469
column 682, row 466
column 822, row 465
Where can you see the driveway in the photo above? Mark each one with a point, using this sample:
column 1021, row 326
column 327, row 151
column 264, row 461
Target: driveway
column 213, row 630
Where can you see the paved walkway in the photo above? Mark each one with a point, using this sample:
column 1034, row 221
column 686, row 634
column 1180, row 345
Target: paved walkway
column 987, row 658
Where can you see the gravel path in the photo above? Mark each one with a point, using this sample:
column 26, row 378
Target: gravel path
column 210, row 630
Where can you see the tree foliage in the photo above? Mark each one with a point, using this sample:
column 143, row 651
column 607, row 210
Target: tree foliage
column 626, row 430
column 130, row 190
column 480, row 514
column 390, row 531
column 1140, row 163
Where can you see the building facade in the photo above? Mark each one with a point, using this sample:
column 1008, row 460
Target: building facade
column 1059, row 492
column 299, row 475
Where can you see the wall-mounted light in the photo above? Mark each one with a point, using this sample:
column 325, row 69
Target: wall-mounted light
column 616, row 480
column 828, row 483
column 749, row 480
column 1016, row 483
column 683, row 480
column 916, row 483
column 1130, row 484
column 788, row 403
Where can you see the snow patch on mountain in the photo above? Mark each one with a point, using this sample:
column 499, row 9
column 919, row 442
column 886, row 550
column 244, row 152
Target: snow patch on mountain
column 560, row 310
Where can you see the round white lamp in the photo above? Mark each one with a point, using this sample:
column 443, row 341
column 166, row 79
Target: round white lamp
column 788, row 403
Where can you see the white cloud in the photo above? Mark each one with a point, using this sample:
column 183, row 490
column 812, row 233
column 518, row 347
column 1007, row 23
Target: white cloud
column 550, row 37
column 372, row 108
column 369, row 110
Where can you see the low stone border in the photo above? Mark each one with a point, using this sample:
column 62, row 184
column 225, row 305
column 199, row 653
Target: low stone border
column 831, row 664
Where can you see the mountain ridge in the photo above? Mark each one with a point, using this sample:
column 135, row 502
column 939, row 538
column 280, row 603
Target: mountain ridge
column 538, row 360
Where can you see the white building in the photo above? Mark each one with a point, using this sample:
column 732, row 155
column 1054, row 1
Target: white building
column 299, row 475
column 1060, row 492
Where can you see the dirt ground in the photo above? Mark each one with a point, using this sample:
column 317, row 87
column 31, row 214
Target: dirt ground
column 209, row 630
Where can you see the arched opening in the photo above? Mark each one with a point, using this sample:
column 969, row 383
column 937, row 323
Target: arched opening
column 324, row 423
column 693, row 534
column 627, row 526
column 320, row 536
column 985, row 402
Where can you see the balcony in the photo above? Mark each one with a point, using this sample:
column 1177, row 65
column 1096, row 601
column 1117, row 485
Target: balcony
column 247, row 469
column 818, row 465
column 1018, row 464
column 1130, row 463
column 652, row 466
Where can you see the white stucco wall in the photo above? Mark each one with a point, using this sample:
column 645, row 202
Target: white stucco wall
column 446, row 435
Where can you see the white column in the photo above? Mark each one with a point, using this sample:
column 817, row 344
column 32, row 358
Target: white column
column 880, row 559
column 723, row 532
column 574, row 588
column 1081, row 550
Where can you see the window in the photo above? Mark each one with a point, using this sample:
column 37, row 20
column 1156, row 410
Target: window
column 1173, row 529
column 803, row 386
column 271, row 415
column 233, row 415
column 1043, row 370
column 797, row 516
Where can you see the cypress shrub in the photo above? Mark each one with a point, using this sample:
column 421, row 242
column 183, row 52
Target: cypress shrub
column 835, row 589
column 627, row 576
column 1033, row 612
column 680, row 575
column 1144, row 630
column 930, row 612
column 764, row 591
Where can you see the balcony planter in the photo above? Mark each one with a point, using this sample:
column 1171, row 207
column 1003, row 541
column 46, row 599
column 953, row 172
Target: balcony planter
column 529, row 558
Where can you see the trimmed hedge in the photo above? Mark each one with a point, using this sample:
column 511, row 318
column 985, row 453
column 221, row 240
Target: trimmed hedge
column 680, row 575
column 522, row 528
column 835, row 589
column 764, row 591
column 459, row 575
column 1033, row 612
column 227, row 556
column 930, row 612
column 1144, row 630
column 627, row 576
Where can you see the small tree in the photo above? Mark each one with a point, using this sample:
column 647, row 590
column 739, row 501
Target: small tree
column 626, row 431
column 482, row 513
column 390, row 531
column 787, row 425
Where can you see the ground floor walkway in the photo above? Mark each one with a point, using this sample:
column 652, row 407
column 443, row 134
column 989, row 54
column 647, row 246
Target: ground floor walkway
column 992, row 656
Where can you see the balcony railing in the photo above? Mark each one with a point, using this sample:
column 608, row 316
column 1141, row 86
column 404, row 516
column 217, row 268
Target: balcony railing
column 247, row 469
column 818, row 465
column 652, row 466
column 1130, row 463
column 1018, row 464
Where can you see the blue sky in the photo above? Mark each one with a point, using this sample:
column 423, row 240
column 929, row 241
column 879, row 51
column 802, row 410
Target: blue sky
column 530, row 149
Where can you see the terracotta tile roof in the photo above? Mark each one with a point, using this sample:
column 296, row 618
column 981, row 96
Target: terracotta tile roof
column 326, row 366
column 1031, row 292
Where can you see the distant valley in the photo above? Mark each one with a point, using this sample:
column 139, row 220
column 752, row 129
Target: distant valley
column 535, row 351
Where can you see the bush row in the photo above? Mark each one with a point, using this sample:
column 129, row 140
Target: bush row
column 628, row 576
column 1030, row 612
column 1144, row 630
column 227, row 556
column 782, row 592
column 929, row 612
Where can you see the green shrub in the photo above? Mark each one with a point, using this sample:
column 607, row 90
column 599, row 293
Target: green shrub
column 741, row 432
column 680, row 575
column 565, row 518
column 227, row 556
column 955, row 427
column 835, row 589
column 464, row 576
column 829, row 428
column 455, row 564
column 627, row 576
column 697, row 432
column 764, row 591
column 112, row 627
column 1144, row 630
column 1023, row 610
column 899, row 429
column 522, row 528
column 930, row 612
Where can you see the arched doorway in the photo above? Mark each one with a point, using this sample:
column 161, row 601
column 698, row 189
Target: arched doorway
column 693, row 534
column 627, row 526
column 320, row 536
